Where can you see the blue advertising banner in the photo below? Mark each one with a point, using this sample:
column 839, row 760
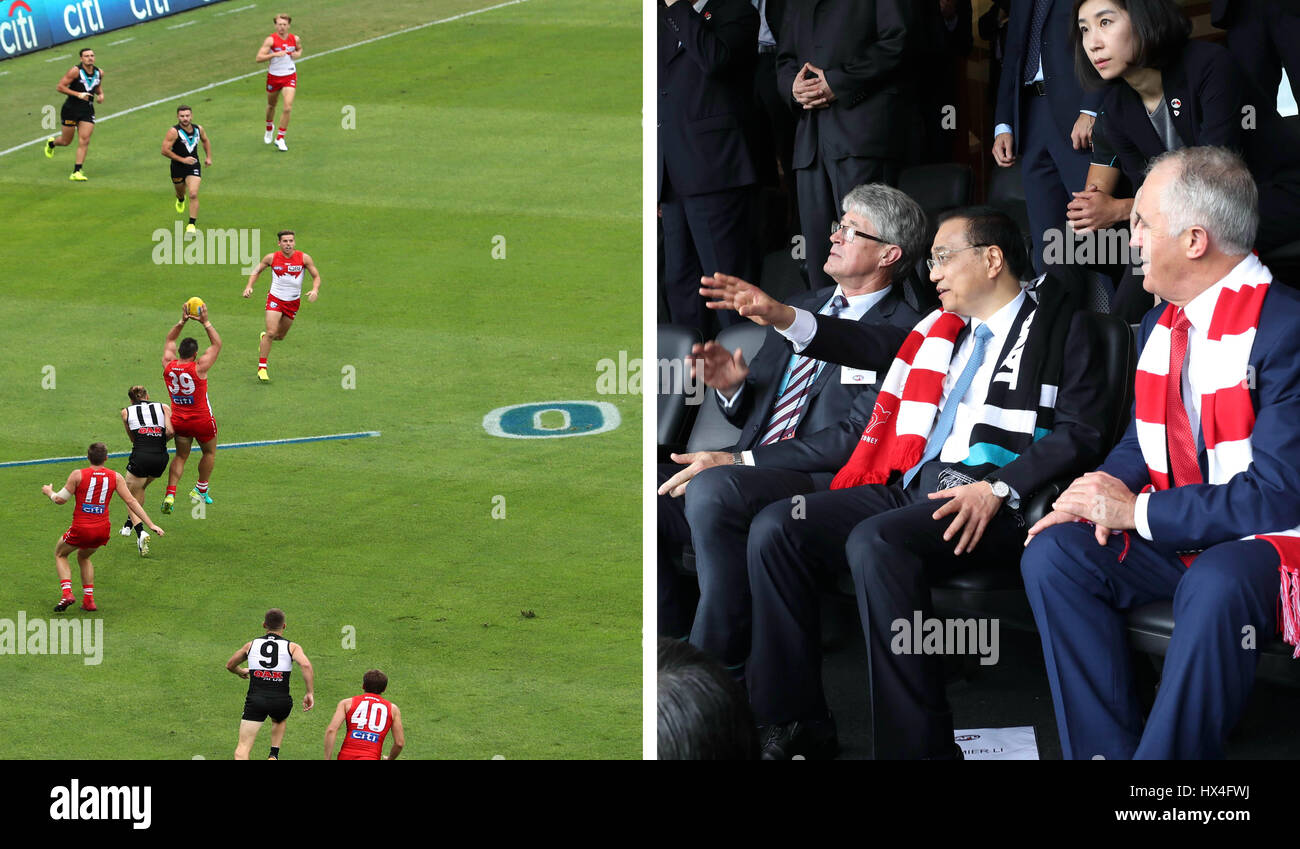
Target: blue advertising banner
column 29, row 25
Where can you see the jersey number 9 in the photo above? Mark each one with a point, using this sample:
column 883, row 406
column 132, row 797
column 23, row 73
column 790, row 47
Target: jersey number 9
column 270, row 651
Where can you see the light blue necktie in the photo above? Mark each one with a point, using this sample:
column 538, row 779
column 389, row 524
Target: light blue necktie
column 943, row 428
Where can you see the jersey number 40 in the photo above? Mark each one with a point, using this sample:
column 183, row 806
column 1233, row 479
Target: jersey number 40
column 377, row 719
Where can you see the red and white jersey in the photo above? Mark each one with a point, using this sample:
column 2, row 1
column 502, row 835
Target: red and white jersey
column 286, row 276
column 368, row 719
column 282, row 65
column 188, row 391
column 96, row 487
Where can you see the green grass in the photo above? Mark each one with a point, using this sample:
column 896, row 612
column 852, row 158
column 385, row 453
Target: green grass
column 522, row 122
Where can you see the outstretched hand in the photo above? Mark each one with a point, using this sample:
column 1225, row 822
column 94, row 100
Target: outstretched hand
column 718, row 368
column 732, row 293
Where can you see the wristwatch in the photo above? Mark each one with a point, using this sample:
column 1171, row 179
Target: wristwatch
column 1000, row 488
column 737, row 459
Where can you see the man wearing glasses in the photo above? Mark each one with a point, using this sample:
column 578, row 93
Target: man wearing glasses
column 980, row 407
column 791, row 410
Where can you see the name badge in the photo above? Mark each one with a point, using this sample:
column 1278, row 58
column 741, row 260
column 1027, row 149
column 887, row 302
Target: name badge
column 860, row 377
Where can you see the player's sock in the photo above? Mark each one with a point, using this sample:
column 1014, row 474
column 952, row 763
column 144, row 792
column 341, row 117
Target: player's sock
column 76, row 167
column 269, row 126
column 201, row 487
column 191, row 221
column 261, row 362
column 65, row 589
column 88, row 594
column 171, row 490
column 128, row 524
column 139, row 528
column 279, row 135
column 275, row 752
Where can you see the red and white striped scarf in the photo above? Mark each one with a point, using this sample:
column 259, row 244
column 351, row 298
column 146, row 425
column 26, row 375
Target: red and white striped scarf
column 906, row 404
column 1227, row 414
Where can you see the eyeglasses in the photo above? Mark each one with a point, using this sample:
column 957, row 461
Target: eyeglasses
column 850, row 234
column 941, row 259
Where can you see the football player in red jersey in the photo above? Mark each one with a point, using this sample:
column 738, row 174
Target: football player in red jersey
column 92, row 487
column 186, row 378
column 282, row 302
column 369, row 719
column 280, row 48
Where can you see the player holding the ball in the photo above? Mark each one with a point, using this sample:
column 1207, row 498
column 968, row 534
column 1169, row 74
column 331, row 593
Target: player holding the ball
column 186, row 376
column 280, row 48
column 285, row 297
column 180, row 145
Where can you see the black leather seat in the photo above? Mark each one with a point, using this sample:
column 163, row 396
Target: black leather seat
column 938, row 187
column 674, row 413
column 781, row 275
column 712, row 431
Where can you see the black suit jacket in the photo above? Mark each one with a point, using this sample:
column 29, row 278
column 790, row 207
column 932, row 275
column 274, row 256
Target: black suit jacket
column 862, row 45
column 1211, row 91
column 1065, row 96
column 1225, row 13
column 706, row 83
column 1071, row 448
column 829, row 400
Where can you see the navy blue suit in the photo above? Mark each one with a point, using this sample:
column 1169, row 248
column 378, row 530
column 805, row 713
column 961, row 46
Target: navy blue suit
column 706, row 167
column 1080, row 590
column 1041, row 126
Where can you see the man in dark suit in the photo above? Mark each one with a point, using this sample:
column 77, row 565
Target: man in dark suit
column 840, row 66
column 1043, row 116
column 1000, row 399
column 776, row 415
column 1264, row 37
column 1208, row 462
column 706, row 168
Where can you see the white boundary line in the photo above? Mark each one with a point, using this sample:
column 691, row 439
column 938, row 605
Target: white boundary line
column 258, row 73
column 233, row 11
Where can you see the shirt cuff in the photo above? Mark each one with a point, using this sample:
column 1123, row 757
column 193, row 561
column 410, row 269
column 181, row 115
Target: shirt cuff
column 1088, row 112
column 747, row 458
column 1013, row 500
column 1140, row 516
column 1000, row 129
column 802, row 330
column 729, row 403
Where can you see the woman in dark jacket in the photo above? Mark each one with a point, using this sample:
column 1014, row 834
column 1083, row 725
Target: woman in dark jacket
column 1166, row 92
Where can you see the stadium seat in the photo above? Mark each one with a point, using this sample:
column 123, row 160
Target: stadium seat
column 712, row 431
column 674, row 345
column 937, row 187
column 781, row 275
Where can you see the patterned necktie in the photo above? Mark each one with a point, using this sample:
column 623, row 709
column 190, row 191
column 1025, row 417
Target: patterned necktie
column 1034, row 50
column 789, row 407
column 1183, row 466
column 943, row 428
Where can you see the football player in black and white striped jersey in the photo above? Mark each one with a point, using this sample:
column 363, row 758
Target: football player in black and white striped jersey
column 149, row 425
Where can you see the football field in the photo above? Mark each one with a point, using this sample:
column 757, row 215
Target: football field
column 470, row 193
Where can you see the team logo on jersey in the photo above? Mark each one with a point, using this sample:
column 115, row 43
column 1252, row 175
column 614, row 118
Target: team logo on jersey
column 549, row 419
column 96, row 509
column 364, row 735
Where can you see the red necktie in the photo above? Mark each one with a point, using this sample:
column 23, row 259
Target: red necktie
column 1183, row 467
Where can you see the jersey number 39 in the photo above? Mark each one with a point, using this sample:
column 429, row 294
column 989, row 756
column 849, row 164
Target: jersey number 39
column 180, row 383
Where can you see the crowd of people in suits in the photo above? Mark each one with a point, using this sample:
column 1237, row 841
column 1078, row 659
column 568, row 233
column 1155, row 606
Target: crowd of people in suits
column 900, row 444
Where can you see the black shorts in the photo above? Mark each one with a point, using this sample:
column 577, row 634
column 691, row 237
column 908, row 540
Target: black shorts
column 258, row 707
column 147, row 465
column 75, row 111
column 180, row 171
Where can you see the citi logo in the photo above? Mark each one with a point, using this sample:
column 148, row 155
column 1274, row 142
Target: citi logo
column 18, row 34
column 91, row 802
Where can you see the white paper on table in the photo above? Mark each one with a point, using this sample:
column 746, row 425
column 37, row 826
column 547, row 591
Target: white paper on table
column 998, row 744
